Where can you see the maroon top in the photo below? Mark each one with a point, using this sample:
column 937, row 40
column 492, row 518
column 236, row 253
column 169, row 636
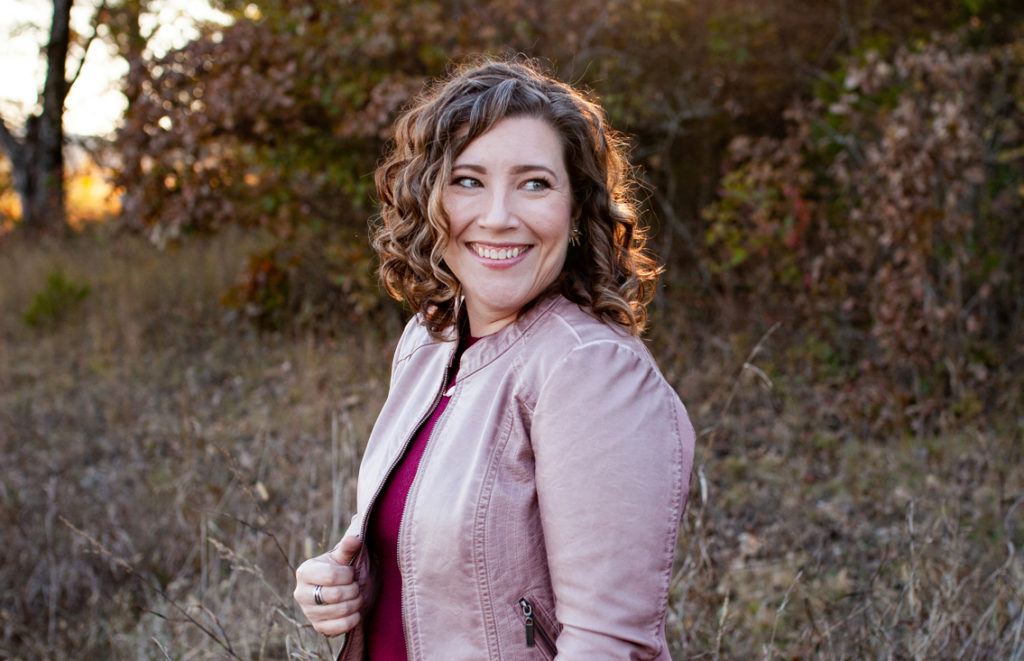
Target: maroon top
column 385, row 635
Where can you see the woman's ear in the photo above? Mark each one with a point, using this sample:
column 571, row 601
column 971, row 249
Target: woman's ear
column 577, row 213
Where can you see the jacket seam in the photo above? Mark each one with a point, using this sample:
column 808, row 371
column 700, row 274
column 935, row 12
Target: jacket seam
column 565, row 322
column 673, row 527
column 641, row 358
column 408, row 356
column 485, row 590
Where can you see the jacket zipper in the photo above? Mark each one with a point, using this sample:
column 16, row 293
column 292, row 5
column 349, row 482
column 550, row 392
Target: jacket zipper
column 412, row 488
column 391, row 468
column 533, row 627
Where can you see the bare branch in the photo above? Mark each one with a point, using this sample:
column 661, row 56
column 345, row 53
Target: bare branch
column 259, row 529
column 85, row 49
column 11, row 146
column 117, row 561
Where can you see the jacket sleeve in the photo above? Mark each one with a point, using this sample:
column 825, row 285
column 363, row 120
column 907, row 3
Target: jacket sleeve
column 613, row 449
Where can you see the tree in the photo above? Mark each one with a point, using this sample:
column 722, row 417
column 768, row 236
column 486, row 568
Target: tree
column 123, row 19
column 37, row 157
column 276, row 121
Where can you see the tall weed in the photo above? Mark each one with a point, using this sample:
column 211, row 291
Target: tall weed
column 166, row 467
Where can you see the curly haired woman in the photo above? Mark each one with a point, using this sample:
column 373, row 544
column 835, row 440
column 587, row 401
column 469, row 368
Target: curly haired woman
column 521, row 491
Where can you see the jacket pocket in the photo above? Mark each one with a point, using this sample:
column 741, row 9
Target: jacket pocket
column 536, row 633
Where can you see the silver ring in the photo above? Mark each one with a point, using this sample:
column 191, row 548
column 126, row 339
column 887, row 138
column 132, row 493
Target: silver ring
column 318, row 595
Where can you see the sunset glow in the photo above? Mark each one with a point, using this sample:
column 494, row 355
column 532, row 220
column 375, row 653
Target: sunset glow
column 95, row 103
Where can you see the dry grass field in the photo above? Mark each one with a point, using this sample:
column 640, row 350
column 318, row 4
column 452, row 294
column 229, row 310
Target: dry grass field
column 165, row 466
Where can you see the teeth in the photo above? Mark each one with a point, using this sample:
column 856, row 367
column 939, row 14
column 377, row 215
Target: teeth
column 497, row 253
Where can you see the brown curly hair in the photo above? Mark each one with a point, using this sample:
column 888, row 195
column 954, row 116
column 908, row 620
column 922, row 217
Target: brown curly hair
column 609, row 272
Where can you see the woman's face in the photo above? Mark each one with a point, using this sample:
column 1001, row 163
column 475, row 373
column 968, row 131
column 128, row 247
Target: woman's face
column 509, row 204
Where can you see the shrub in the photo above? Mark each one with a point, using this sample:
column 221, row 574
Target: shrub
column 313, row 278
column 58, row 298
column 889, row 214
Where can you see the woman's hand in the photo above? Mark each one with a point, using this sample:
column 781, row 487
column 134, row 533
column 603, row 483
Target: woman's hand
column 339, row 593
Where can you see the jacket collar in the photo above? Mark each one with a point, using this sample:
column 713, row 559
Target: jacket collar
column 490, row 347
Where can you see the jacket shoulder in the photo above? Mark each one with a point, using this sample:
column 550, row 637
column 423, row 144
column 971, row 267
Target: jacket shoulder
column 569, row 337
column 569, row 328
column 414, row 337
column 414, row 343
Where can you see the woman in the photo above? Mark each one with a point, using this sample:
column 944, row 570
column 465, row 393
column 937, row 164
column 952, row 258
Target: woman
column 521, row 492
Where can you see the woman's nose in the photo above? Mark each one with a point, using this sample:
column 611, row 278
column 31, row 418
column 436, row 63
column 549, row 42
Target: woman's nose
column 500, row 212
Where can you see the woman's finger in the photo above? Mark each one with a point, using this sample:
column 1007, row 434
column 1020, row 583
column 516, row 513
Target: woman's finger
column 329, row 594
column 337, row 627
column 346, row 550
column 323, row 571
column 334, row 594
column 337, row 611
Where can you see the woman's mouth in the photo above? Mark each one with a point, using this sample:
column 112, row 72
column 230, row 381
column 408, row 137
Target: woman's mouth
column 497, row 252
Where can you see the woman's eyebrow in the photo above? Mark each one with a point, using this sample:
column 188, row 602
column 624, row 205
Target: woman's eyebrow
column 517, row 169
column 470, row 166
column 520, row 169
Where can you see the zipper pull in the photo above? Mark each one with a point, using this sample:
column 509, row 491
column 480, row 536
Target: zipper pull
column 528, row 614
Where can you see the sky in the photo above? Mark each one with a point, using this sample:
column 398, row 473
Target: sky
column 94, row 105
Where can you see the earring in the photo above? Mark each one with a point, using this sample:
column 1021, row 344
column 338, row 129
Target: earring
column 574, row 237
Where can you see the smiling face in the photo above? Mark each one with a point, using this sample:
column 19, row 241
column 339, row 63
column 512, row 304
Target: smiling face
column 509, row 204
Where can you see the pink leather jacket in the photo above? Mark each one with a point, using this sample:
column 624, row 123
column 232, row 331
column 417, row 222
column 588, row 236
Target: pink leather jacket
column 544, row 514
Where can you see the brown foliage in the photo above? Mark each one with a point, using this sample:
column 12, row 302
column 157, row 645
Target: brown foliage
column 879, row 220
column 277, row 120
column 381, row 50
column 890, row 210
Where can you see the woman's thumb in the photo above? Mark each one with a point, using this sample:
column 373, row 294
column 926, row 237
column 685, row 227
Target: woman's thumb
column 346, row 550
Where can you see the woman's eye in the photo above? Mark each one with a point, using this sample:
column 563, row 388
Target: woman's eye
column 537, row 185
column 466, row 182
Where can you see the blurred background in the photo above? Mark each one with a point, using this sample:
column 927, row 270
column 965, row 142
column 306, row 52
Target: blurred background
column 193, row 344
